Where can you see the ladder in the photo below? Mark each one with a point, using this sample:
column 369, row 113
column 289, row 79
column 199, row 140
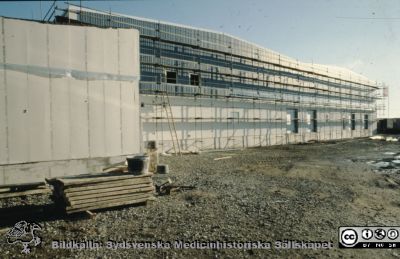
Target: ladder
column 171, row 122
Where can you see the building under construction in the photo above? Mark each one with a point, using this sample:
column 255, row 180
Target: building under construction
column 201, row 89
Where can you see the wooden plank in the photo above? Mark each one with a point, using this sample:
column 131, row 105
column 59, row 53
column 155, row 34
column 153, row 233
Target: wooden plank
column 5, row 190
column 102, row 179
column 89, row 196
column 90, row 202
column 71, row 210
column 24, row 193
column 96, row 186
column 108, row 190
column 23, row 185
column 115, row 170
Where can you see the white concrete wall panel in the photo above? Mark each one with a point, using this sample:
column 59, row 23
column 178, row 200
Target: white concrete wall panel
column 130, row 119
column 17, row 105
column 60, row 119
column 79, row 127
column 39, row 118
column 69, row 93
column 77, row 46
column 112, row 118
column 219, row 132
column 96, row 118
column 18, row 138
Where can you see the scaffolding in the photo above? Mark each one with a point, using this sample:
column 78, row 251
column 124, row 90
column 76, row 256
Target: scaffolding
column 244, row 89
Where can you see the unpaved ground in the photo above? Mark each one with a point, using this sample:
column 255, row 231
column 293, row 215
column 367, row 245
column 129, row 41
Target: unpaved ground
column 296, row 192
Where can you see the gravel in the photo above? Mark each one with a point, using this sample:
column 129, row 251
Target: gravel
column 294, row 192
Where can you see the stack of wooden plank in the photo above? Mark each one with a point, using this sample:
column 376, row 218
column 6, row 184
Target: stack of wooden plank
column 24, row 189
column 99, row 191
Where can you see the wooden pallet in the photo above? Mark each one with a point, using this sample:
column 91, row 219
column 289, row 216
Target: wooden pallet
column 99, row 191
column 24, row 189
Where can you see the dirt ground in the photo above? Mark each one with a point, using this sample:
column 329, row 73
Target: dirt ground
column 295, row 192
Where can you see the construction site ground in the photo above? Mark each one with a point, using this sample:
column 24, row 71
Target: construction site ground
column 299, row 192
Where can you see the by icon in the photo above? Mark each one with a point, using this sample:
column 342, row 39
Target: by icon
column 367, row 234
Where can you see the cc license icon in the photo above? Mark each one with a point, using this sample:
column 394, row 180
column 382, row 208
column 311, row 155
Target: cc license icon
column 349, row 237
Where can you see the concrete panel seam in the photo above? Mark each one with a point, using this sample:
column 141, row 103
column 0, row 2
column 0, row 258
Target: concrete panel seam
column 51, row 96
column 87, row 93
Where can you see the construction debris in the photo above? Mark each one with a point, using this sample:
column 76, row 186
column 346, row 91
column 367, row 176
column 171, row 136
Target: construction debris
column 377, row 138
column 392, row 139
column 25, row 189
column 99, row 191
column 167, row 187
column 121, row 167
column 184, row 152
column 383, row 138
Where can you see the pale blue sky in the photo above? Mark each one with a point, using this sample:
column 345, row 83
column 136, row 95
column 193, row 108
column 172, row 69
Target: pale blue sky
column 362, row 35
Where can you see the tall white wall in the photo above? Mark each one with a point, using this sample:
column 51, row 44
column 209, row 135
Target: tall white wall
column 66, row 92
column 224, row 123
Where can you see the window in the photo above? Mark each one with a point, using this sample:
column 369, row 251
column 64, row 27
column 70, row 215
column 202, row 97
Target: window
column 194, row 79
column 311, row 120
column 314, row 124
column 343, row 122
column 171, row 77
column 353, row 121
column 292, row 121
column 366, row 122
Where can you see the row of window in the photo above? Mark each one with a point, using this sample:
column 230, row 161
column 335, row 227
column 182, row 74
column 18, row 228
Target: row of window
column 292, row 121
column 195, row 79
column 170, row 77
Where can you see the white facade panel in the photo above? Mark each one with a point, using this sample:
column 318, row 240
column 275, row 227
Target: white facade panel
column 96, row 118
column 60, row 119
column 77, row 45
column 95, row 50
column 79, row 128
column 130, row 119
column 17, row 108
column 66, row 92
column 112, row 118
column 39, row 118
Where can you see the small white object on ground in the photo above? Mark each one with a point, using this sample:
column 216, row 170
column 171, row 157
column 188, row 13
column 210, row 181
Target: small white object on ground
column 397, row 162
column 389, row 153
column 377, row 137
column 221, row 158
column 382, row 164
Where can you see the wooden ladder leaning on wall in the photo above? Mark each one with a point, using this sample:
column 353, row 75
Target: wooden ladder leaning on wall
column 171, row 122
